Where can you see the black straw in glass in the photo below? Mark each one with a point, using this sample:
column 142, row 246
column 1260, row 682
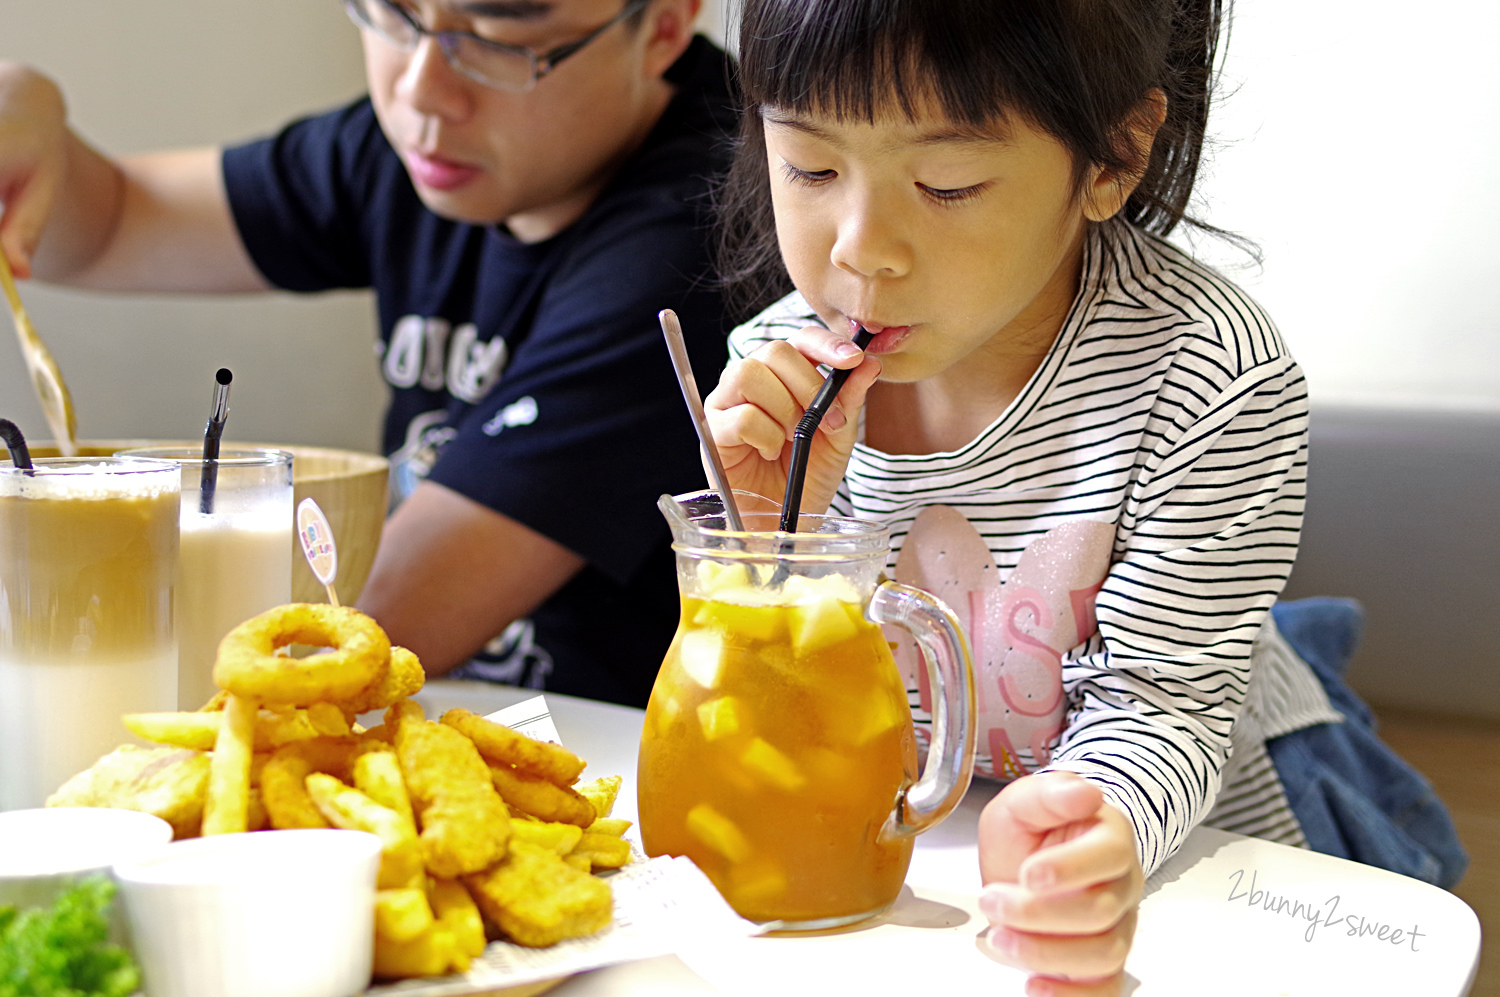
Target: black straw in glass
column 219, row 415
column 802, row 436
column 20, row 453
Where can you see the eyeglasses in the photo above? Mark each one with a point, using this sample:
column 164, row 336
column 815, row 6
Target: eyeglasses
column 495, row 64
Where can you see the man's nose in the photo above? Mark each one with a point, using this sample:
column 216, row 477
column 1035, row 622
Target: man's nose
column 431, row 86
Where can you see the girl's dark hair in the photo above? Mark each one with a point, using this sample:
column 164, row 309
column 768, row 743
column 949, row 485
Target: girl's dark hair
column 1077, row 69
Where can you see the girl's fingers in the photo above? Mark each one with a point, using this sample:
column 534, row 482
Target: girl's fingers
column 1040, row 986
column 1089, row 911
column 820, row 346
column 1097, row 850
column 1072, row 957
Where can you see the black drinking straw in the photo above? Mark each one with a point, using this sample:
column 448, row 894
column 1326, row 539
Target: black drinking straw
column 20, row 453
column 211, row 436
column 802, row 436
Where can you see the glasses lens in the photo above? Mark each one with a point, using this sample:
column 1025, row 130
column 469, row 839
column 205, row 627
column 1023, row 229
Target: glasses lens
column 385, row 19
column 504, row 69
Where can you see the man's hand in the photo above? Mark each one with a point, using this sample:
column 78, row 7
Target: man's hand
column 1062, row 884
column 33, row 159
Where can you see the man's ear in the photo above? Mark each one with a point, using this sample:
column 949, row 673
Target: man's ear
column 668, row 28
column 1108, row 190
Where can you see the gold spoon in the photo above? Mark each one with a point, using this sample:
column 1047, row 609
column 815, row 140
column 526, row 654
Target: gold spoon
column 57, row 404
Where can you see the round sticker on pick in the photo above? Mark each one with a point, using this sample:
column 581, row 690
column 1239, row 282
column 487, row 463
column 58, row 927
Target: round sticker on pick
column 317, row 544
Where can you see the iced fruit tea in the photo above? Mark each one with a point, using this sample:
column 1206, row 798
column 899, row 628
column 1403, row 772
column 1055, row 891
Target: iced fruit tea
column 776, row 741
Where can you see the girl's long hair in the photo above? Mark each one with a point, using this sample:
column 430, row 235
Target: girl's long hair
column 1077, row 69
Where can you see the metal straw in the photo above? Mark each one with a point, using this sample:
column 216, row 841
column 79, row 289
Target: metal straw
column 802, row 436
column 672, row 329
column 20, row 453
column 209, row 480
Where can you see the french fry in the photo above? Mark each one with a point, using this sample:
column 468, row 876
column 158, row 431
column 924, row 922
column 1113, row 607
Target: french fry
column 502, row 746
column 561, row 838
column 226, row 807
column 459, row 914
column 343, row 806
column 429, row 954
column 402, row 914
column 378, row 775
column 197, row 731
column 609, row 825
column 541, row 798
column 328, row 720
column 604, row 851
column 601, row 792
column 580, row 862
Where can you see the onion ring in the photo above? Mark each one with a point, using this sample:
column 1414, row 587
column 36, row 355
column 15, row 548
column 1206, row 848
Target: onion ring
column 248, row 666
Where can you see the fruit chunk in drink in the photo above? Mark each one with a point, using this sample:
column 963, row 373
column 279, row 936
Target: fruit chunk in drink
column 776, row 741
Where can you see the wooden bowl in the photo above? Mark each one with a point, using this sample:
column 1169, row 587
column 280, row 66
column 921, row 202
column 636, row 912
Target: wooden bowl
column 348, row 485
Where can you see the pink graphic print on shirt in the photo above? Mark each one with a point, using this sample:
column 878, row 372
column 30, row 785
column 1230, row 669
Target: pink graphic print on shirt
column 1019, row 629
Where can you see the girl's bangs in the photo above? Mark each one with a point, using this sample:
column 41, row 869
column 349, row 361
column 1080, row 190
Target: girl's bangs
column 861, row 61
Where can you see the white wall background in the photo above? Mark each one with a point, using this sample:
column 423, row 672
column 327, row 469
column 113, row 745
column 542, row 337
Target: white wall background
column 1357, row 151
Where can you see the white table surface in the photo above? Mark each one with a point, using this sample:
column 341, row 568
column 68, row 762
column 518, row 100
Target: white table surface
column 1226, row 916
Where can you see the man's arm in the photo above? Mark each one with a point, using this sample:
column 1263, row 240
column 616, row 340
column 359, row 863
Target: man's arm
column 158, row 222
column 451, row 574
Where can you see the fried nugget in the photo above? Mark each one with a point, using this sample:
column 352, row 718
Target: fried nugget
column 431, row 953
column 283, row 781
column 465, row 825
column 540, row 798
column 167, row 782
column 405, row 677
column 502, row 746
column 537, row 899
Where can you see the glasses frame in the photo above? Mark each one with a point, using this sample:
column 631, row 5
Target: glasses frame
column 542, row 63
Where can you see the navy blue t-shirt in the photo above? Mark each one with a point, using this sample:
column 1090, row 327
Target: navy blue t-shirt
column 531, row 378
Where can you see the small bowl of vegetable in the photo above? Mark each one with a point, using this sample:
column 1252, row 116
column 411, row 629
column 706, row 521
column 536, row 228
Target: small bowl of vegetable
column 58, row 934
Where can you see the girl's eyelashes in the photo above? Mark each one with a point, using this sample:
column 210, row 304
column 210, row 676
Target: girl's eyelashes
column 955, row 195
column 806, row 178
column 814, row 178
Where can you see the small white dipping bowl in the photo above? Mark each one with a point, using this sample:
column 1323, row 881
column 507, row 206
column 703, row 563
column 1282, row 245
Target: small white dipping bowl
column 266, row 914
column 43, row 851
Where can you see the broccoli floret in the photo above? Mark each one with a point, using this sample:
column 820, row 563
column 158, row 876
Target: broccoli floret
column 63, row 951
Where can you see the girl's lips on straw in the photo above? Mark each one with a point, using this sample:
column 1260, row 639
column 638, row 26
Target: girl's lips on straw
column 887, row 337
column 437, row 173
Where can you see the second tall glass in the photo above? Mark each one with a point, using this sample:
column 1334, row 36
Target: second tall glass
column 236, row 553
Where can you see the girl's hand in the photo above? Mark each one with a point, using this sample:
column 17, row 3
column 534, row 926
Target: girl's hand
column 1062, row 884
column 759, row 400
column 33, row 159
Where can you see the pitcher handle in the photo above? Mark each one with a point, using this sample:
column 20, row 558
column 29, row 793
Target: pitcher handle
column 945, row 655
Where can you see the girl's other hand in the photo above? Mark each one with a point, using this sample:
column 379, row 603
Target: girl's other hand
column 759, row 400
column 1062, row 884
column 33, row 159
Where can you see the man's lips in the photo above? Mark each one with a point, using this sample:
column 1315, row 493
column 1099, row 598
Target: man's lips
column 437, row 173
column 887, row 337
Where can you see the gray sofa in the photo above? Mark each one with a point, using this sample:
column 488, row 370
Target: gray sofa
column 1403, row 514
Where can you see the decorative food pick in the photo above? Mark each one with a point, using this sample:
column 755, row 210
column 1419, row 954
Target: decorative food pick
column 217, row 416
column 318, row 545
column 20, row 454
column 791, row 503
column 46, row 379
column 672, row 329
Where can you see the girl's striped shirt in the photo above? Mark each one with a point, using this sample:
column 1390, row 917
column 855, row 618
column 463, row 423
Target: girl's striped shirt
column 1169, row 423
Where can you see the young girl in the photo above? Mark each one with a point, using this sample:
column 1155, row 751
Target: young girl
column 1090, row 446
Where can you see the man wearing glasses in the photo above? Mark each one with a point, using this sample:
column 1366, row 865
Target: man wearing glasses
column 525, row 186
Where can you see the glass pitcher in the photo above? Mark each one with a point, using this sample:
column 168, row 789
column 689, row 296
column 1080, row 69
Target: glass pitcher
column 778, row 751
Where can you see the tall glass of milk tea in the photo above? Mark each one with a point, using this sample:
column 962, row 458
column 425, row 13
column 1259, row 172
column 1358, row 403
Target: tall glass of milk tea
column 236, row 553
column 778, row 752
column 88, row 562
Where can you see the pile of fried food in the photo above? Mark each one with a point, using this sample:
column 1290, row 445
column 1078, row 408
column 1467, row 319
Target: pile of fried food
column 486, row 832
